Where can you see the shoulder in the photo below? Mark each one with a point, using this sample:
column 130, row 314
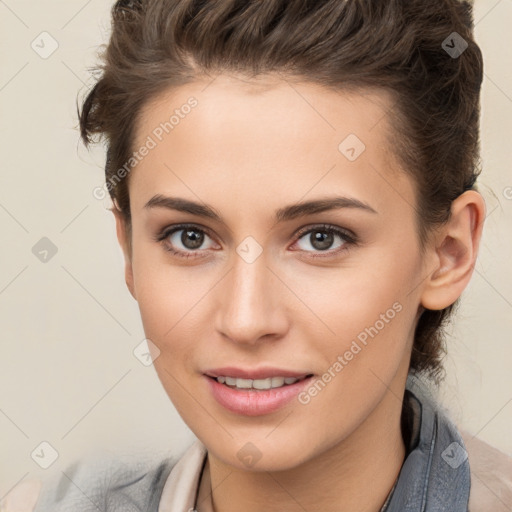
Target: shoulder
column 491, row 476
column 94, row 483
column 22, row 498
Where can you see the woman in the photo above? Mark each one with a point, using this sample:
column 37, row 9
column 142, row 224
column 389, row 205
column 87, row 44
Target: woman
column 294, row 187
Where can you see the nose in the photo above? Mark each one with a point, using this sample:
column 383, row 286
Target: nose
column 252, row 303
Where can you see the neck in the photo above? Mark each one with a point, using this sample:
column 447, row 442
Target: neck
column 356, row 474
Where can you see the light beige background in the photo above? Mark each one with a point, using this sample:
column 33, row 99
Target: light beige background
column 68, row 375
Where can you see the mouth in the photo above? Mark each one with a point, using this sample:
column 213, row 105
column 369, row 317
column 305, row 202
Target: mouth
column 255, row 392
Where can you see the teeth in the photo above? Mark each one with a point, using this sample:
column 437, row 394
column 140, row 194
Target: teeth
column 271, row 382
column 230, row 381
column 243, row 383
column 262, row 383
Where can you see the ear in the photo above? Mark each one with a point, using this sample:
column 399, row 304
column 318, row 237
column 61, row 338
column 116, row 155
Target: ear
column 124, row 239
column 453, row 252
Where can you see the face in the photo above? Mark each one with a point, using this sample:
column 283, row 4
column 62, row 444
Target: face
column 261, row 289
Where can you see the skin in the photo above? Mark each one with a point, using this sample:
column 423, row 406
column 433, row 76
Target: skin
column 247, row 149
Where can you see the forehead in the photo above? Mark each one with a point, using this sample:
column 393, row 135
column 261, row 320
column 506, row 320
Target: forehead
column 274, row 103
column 271, row 132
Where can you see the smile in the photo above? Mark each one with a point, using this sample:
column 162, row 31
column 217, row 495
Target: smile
column 255, row 397
column 257, row 384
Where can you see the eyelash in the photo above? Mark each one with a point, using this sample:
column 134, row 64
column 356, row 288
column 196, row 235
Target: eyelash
column 349, row 238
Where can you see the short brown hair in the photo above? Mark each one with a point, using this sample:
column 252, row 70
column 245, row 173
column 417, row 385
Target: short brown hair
column 404, row 46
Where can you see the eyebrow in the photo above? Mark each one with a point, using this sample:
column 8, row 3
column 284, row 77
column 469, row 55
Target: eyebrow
column 289, row 212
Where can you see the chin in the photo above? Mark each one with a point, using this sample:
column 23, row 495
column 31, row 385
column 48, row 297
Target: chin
column 251, row 453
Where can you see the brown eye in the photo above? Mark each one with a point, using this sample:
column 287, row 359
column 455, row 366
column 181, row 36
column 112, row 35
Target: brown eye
column 322, row 238
column 184, row 241
column 191, row 238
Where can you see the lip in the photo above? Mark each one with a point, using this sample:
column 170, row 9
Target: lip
column 257, row 373
column 251, row 402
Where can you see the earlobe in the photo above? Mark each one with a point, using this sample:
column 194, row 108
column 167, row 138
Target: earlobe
column 123, row 237
column 454, row 252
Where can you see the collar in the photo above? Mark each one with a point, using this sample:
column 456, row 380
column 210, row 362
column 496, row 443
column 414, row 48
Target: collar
column 180, row 489
column 435, row 474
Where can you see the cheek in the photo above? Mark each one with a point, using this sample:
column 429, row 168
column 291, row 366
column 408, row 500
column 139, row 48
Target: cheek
column 370, row 313
column 372, row 318
column 165, row 292
column 348, row 300
column 164, row 306
column 169, row 306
